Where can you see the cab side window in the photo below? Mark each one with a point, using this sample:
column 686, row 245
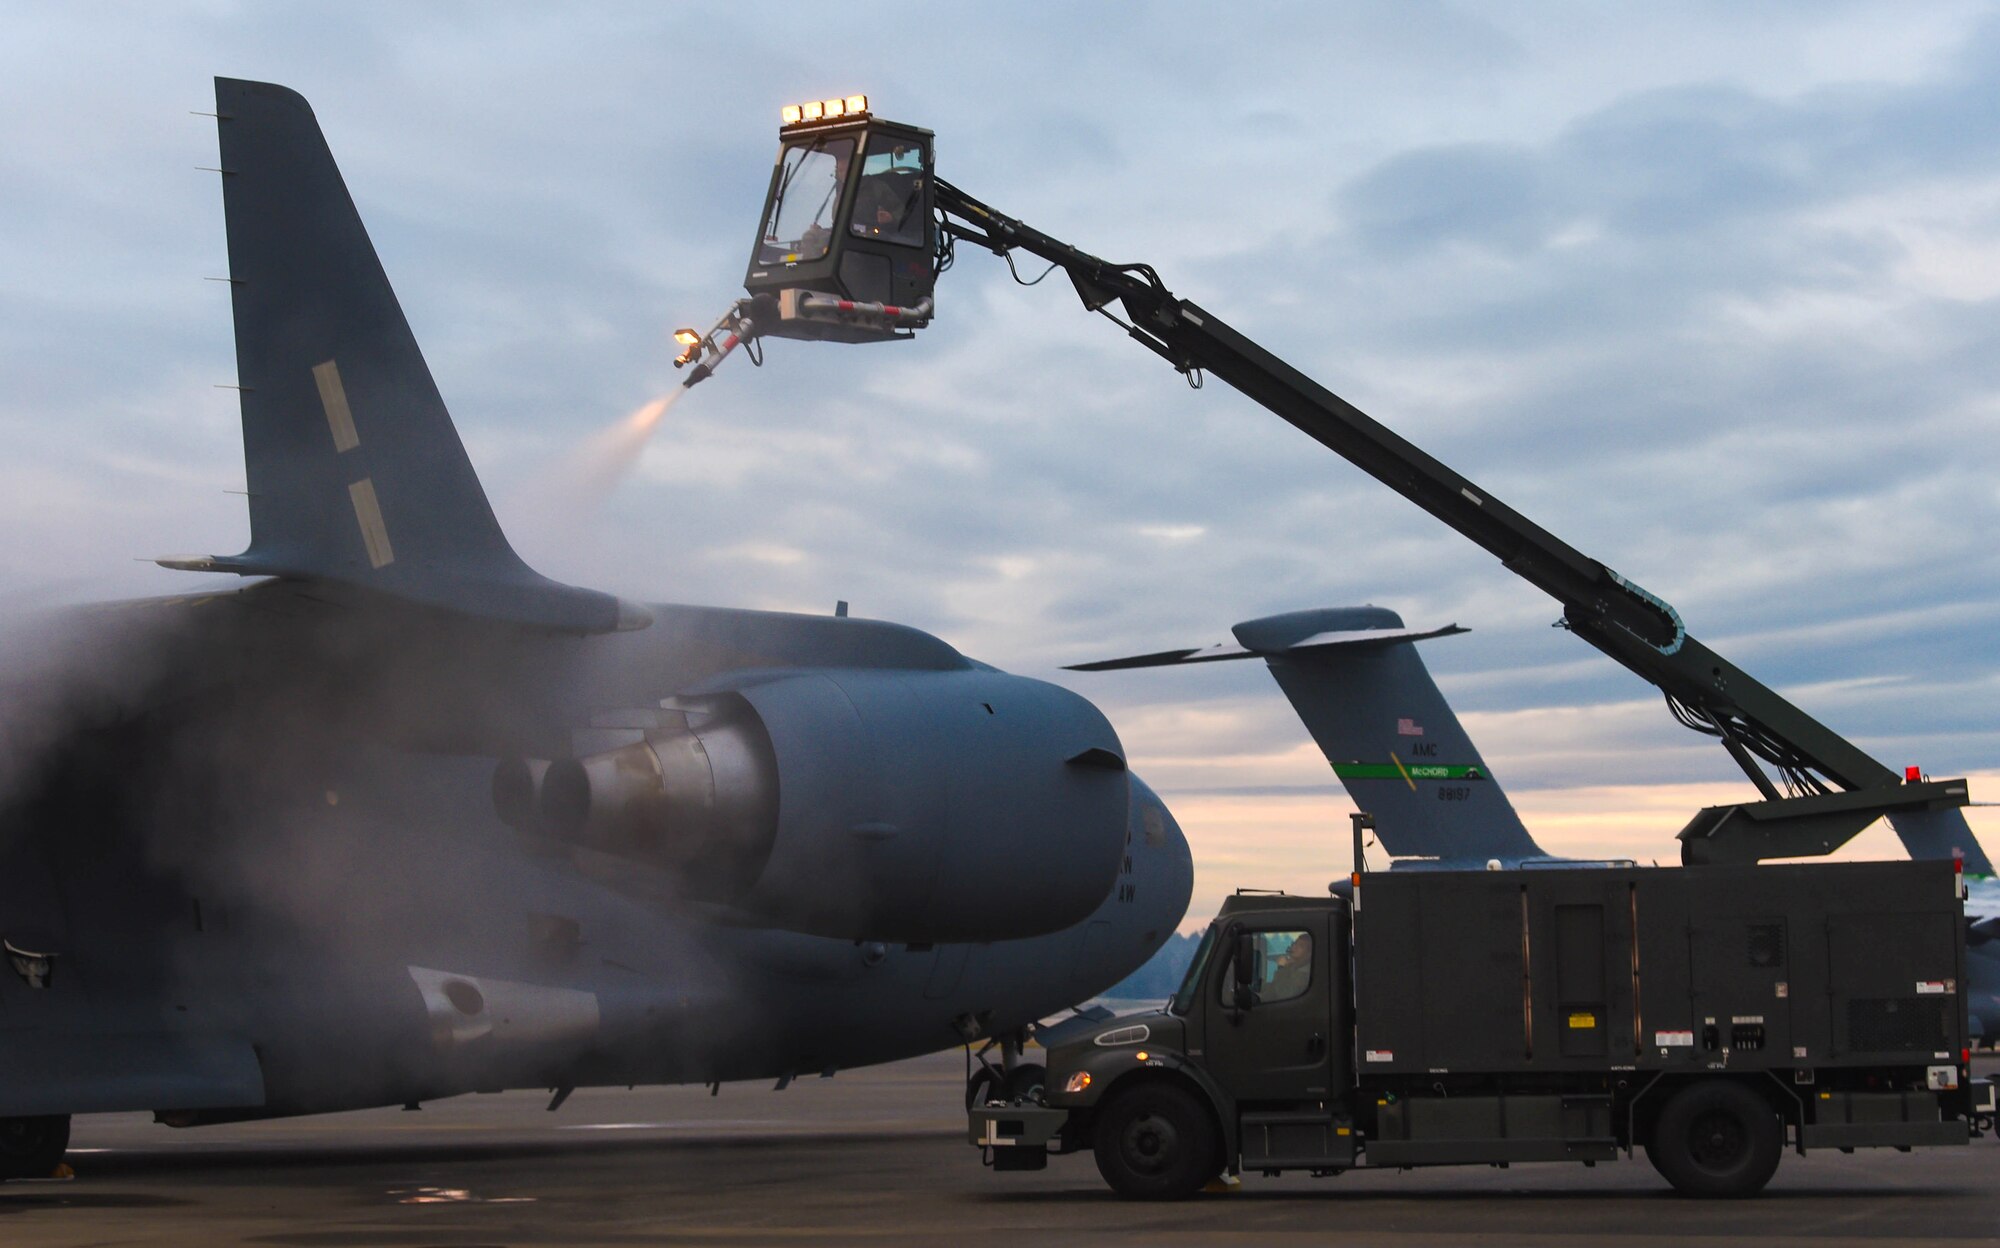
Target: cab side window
column 889, row 202
column 1281, row 969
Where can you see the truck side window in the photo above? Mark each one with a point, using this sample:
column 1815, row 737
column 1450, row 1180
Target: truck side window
column 1283, row 967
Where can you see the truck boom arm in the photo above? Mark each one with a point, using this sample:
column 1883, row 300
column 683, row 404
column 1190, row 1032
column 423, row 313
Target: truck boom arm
column 1832, row 788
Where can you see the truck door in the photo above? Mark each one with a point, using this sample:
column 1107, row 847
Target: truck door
column 1281, row 1047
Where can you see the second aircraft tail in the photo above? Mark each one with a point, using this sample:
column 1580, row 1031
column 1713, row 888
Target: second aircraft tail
column 1356, row 681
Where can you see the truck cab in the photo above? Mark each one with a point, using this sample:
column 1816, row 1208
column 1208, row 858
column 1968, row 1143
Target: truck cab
column 1251, row 1059
column 848, row 217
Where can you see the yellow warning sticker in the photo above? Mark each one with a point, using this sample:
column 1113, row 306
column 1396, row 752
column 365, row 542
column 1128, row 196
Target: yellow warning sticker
column 1582, row 1021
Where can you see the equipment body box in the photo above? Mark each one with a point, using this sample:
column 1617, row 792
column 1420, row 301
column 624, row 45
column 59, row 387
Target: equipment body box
column 1737, row 968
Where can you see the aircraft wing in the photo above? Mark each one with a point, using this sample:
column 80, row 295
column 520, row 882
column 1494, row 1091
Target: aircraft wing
column 1980, row 931
column 1982, row 910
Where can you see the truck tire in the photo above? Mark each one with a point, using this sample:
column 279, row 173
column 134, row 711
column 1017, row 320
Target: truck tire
column 1716, row 1138
column 1157, row 1142
column 32, row 1148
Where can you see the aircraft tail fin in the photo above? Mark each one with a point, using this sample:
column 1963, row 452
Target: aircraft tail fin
column 1941, row 834
column 1355, row 679
column 355, row 472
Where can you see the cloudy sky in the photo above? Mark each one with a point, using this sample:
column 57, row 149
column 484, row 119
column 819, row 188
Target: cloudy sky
column 1711, row 290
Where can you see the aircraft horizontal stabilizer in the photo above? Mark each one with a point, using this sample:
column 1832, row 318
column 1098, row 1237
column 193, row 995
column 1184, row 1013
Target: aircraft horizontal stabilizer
column 1327, row 639
column 355, row 472
column 1164, row 658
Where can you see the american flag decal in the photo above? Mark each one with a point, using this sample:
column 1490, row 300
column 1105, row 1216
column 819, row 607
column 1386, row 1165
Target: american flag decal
column 1409, row 728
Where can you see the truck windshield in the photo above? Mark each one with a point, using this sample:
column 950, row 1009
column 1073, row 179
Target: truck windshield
column 800, row 223
column 1191, row 983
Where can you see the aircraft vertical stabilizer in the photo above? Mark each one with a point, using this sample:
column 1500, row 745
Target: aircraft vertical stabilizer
column 1941, row 834
column 355, row 472
column 1354, row 677
column 1392, row 739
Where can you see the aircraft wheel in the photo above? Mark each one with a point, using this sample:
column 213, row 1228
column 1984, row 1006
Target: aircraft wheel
column 982, row 1087
column 1025, row 1080
column 1157, row 1142
column 32, row 1148
column 1718, row 1139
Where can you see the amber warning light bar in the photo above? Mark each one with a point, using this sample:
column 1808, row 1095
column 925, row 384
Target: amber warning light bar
column 823, row 110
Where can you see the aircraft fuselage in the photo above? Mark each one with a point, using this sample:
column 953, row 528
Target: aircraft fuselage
column 268, row 858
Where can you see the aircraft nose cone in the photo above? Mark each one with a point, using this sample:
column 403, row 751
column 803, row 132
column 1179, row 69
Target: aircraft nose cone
column 1162, row 875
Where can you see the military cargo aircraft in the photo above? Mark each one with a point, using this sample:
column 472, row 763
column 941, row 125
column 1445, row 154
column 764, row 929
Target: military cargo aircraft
column 403, row 818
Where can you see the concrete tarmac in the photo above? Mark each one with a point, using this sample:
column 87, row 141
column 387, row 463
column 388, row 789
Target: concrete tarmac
column 875, row 1157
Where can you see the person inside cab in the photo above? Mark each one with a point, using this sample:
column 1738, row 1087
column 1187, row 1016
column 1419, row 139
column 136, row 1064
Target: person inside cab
column 888, row 203
column 1291, row 971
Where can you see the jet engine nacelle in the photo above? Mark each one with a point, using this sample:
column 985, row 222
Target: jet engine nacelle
column 698, row 800
column 869, row 805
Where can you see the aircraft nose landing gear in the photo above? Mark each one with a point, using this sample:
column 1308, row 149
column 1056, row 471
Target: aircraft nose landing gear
column 1014, row 1080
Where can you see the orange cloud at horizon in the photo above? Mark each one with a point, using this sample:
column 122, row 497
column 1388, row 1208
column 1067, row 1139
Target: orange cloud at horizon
column 1299, row 842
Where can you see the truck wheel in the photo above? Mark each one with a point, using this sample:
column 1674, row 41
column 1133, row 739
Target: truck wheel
column 1025, row 1080
column 1157, row 1142
column 32, row 1148
column 1716, row 1138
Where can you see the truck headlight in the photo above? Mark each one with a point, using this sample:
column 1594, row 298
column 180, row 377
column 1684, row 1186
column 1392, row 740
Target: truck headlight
column 1077, row 1082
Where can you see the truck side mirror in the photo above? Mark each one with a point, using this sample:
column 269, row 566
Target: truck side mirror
column 1243, row 964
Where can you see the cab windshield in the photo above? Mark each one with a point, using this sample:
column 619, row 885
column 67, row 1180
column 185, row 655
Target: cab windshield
column 1191, row 983
column 799, row 225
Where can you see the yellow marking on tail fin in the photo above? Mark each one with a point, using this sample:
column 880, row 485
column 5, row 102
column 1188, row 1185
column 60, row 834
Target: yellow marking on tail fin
column 333, row 397
column 374, row 534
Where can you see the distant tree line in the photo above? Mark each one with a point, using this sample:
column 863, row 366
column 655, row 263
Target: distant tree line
column 1157, row 979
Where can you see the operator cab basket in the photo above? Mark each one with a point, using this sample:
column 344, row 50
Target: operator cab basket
column 846, row 244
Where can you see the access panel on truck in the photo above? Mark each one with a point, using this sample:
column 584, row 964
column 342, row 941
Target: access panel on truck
column 1781, row 968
